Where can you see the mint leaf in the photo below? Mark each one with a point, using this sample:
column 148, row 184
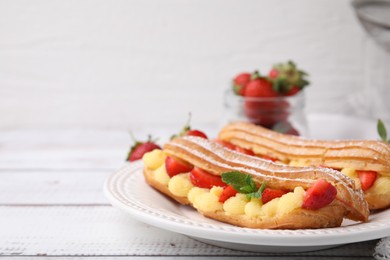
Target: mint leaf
column 382, row 130
column 250, row 182
column 256, row 194
column 243, row 183
column 240, row 182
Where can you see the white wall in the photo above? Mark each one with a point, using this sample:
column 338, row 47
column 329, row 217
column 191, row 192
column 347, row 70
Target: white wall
column 117, row 64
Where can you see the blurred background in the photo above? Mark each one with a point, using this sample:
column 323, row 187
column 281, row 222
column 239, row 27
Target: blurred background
column 118, row 64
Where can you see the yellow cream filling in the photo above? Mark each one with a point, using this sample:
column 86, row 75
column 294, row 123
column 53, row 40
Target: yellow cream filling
column 180, row 185
column 380, row 186
column 207, row 200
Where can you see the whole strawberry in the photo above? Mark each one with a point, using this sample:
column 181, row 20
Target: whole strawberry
column 287, row 79
column 140, row 148
column 260, row 105
column 186, row 130
column 240, row 81
column 259, row 87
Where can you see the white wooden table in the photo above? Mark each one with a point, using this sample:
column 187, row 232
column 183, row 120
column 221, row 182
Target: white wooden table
column 52, row 203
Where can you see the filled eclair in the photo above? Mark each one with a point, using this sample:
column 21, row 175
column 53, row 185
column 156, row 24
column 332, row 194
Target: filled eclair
column 248, row 191
column 367, row 162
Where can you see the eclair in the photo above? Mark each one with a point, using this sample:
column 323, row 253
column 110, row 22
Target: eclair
column 252, row 192
column 367, row 162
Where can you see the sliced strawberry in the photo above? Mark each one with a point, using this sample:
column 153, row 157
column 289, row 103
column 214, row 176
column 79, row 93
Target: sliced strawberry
column 138, row 150
column 226, row 144
column 175, row 166
column 244, row 151
column 204, row 179
column 269, row 158
column 367, row 179
column 270, row 194
column 321, row 194
column 196, row 133
column 235, row 148
column 227, row 192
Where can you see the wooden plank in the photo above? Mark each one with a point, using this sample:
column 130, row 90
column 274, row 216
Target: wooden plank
column 71, row 231
column 107, row 148
column 59, row 187
column 73, row 149
column 65, row 159
column 106, row 231
column 63, row 149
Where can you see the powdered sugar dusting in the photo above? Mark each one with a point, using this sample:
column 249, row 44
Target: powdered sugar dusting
column 259, row 164
column 249, row 132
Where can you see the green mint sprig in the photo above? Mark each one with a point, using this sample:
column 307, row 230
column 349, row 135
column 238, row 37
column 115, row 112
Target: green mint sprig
column 243, row 183
column 382, row 131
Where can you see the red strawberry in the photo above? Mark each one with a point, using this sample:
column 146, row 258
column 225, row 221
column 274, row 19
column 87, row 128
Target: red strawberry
column 140, row 148
column 227, row 193
column 204, row 179
column 197, row 133
column 321, row 194
column 292, row 91
column 258, row 110
column 226, row 144
column 175, row 166
column 270, row 194
column 285, row 127
column 259, row 87
column 293, row 131
column 235, row 148
column 239, row 83
column 367, row 179
column 186, row 130
column 244, row 151
column 287, row 79
column 266, row 113
column 269, row 158
column 242, row 79
column 273, row 73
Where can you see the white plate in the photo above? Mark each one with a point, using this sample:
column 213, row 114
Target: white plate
column 127, row 190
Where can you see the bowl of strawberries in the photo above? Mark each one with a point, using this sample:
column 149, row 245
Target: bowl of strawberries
column 275, row 101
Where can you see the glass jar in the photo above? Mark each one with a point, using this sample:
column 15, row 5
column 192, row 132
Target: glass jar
column 283, row 114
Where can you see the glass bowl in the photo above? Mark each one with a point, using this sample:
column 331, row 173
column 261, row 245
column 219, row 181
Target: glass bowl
column 284, row 114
